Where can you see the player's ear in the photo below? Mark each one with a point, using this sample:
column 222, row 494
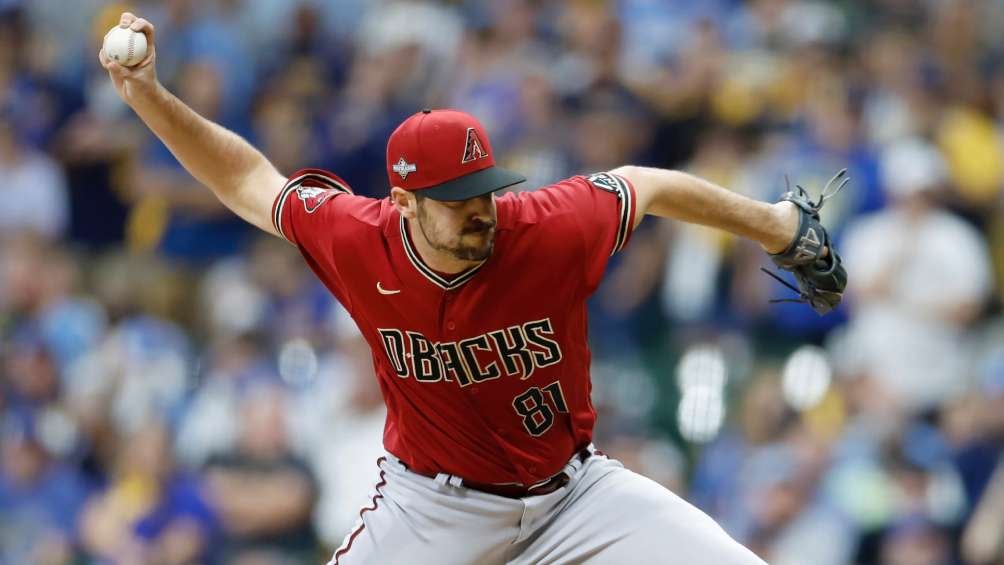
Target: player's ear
column 405, row 202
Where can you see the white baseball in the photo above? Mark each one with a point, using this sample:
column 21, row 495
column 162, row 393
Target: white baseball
column 125, row 46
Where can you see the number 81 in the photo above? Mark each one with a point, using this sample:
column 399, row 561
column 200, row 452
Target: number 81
column 538, row 416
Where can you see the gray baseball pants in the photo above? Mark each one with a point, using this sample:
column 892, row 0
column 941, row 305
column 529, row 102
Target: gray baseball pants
column 605, row 514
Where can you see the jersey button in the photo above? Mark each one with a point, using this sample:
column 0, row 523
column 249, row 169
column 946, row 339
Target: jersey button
column 451, row 326
column 532, row 469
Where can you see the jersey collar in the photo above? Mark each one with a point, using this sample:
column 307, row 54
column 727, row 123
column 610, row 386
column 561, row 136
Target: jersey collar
column 428, row 272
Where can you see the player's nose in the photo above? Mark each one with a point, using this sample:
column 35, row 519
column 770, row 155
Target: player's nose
column 482, row 207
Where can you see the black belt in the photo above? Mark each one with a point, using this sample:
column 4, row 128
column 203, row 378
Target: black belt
column 547, row 486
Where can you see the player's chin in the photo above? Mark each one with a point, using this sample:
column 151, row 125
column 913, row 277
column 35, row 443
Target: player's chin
column 475, row 247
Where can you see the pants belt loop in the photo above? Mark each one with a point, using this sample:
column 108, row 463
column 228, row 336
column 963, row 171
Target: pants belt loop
column 443, row 479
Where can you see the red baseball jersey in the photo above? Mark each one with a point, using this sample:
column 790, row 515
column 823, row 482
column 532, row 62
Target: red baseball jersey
column 485, row 373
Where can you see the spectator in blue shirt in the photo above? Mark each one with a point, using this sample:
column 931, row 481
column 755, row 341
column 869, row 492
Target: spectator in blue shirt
column 151, row 512
column 40, row 497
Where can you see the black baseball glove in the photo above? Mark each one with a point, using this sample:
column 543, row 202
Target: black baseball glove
column 821, row 278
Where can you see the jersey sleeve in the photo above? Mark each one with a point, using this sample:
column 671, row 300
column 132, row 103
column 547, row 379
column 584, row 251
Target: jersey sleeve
column 596, row 212
column 612, row 220
column 303, row 213
column 313, row 212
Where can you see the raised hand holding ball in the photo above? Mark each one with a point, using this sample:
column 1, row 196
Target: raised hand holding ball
column 125, row 46
column 128, row 54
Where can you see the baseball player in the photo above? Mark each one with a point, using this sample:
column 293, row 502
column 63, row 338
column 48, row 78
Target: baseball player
column 475, row 308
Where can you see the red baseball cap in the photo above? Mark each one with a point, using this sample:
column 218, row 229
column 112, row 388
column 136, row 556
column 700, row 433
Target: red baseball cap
column 446, row 155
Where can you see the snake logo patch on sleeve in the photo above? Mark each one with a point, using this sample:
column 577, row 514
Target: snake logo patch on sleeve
column 313, row 197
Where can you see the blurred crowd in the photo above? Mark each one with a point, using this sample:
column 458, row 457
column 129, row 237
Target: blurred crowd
column 177, row 388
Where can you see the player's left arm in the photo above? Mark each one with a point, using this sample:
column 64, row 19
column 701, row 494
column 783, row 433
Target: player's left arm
column 789, row 230
column 685, row 197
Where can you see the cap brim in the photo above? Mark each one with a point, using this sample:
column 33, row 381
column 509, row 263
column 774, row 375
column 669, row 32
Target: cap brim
column 472, row 185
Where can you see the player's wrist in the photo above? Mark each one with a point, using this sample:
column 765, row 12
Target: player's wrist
column 783, row 227
column 147, row 94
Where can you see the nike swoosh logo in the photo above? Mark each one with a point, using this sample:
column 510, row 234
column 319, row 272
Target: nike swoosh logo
column 382, row 290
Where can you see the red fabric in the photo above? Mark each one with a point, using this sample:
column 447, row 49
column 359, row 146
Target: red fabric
column 431, row 148
column 456, row 359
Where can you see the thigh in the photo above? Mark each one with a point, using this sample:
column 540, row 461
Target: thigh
column 411, row 519
column 613, row 515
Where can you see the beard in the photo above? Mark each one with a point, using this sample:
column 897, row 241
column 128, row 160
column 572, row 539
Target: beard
column 474, row 242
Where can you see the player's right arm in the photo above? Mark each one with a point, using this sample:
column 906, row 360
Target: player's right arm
column 237, row 173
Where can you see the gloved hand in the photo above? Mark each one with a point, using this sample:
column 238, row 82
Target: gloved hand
column 810, row 256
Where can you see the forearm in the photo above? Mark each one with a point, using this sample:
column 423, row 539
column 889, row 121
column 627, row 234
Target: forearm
column 213, row 155
column 685, row 197
column 982, row 539
column 279, row 501
column 240, row 177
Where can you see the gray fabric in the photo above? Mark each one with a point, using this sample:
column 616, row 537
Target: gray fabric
column 606, row 514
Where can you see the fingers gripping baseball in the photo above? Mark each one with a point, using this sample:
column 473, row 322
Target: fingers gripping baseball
column 130, row 80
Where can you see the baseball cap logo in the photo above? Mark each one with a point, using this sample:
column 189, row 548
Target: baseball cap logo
column 473, row 149
column 403, row 168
